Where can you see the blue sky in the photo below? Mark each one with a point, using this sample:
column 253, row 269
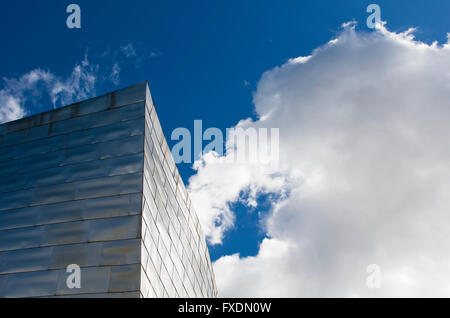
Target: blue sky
column 203, row 59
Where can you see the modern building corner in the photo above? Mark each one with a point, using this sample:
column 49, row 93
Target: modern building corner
column 94, row 185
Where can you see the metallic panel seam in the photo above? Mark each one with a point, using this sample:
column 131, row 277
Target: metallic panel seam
column 70, row 244
column 68, row 106
column 77, row 180
column 68, row 148
column 46, row 204
column 60, row 268
column 75, row 162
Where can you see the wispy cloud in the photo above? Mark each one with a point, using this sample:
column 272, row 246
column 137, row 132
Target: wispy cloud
column 11, row 107
column 115, row 74
column 131, row 53
column 246, row 83
column 79, row 85
column 31, row 87
column 128, row 50
column 26, row 94
column 37, row 89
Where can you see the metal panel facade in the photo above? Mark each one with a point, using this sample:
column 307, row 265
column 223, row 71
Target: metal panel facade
column 94, row 184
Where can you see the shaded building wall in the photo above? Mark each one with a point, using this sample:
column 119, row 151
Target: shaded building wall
column 73, row 191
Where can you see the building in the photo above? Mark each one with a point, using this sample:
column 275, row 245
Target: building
column 94, row 184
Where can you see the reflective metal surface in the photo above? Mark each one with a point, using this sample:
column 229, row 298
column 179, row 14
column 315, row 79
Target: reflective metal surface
column 94, row 184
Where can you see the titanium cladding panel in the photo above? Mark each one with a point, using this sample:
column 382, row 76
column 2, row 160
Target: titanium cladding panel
column 95, row 184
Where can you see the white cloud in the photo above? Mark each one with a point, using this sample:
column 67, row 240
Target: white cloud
column 218, row 183
column 17, row 94
column 115, row 74
column 364, row 126
column 79, row 85
column 10, row 108
column 128, row 50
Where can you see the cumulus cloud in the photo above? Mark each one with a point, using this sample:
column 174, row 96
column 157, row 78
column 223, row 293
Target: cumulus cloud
column 219, row 183
column 364, row 159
